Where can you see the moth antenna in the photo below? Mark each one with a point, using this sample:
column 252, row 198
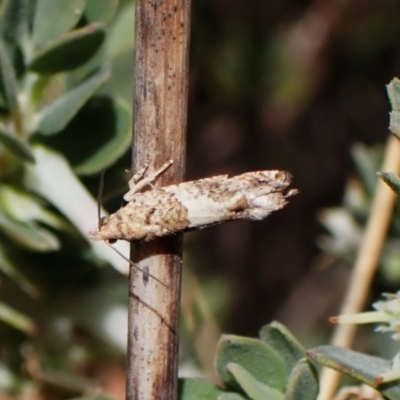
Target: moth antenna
column 135, row 266
column 136, row 296
column 154, row 311
column 100, row 198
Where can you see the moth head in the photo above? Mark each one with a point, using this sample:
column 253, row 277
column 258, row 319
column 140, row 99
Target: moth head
column 102, row 221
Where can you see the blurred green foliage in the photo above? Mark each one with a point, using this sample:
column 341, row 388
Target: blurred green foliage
column 271, row 367
column 62, row 117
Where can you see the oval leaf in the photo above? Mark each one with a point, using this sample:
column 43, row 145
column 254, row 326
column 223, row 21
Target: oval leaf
column 70, row 51
column 58, row 114
column 103, row 130
column 303, row 382
column 120, row 138
column 52, row 177
column 12, row 271
column 197, row 389
column 231, row 396
column 101, row 11
column 357, row 365
column 392, row 180
column 259, row 359
column 28, row 234
column 284, row 343
column 15, row 20
column 393, row 90
column 8, row 79
column 17, row 320
column 54, row 18
column 16, row 146
column 251, row 386
column 394, row 124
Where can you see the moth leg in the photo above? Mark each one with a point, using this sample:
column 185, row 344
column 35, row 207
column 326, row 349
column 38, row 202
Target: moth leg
column 137, row 182
column 138, row 176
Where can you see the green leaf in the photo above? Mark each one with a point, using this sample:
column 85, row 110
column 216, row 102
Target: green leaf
column 11, row 270
column 28, row 234
column 393, row 90
column 251, row 386
column 15, row 319
column 367, row 161
column 9, row 381
column 258, row 358
column 118, row 49
column 357, row 365
column 52, row 177
column 278, row 337
column 197, row 389
column 101, row 11
column 392, row 180
column 231, row 396
column 303, row 382
column 121, row 137
column 70, row 51
column 120, row 38
column 394, row 124
column 14, row 25
column 16, row 146
column 18, row 215
column 54, row 18
column 25, row 207
column 57, row 115
column 103, row 130
column 8, row 79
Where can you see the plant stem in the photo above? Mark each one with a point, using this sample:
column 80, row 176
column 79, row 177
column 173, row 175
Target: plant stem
column 160, row 112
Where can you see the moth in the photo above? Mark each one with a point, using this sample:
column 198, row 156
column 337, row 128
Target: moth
column 152, row 212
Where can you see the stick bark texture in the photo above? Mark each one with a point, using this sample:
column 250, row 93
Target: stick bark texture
column 159, row 119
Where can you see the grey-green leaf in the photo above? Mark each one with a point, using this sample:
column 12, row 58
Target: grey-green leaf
column 15, row 20
column 11, row 270
column 258, row 358
column 118, row 49
column 70, row 51
column 393, row 90
column 251, row 386
column 197, row 389
column 101, row 11
column 394, row 124
column 231, row 396
column 28, row 234
column 392, row 180
column 16, row 145
column 284, row 343
column 8, row 79
column 16, row 319
column 357, row 365
column 19, row 212
column 58, row 114
column 54, row 18
column 115, row 147
column 303, row 382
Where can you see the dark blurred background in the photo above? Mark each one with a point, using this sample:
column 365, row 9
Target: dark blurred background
column 285, row 85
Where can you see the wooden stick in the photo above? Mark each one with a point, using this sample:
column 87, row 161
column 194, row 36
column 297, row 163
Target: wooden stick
column 366, row 263
column 160, row 109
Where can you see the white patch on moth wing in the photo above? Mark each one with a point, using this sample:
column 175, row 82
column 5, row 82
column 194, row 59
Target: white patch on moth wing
column 261, row 207
column 253, row 195
column 202, row 210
